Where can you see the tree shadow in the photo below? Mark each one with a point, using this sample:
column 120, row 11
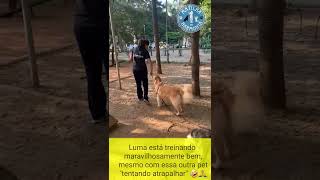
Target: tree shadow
column 6, row 174
column 266, row 156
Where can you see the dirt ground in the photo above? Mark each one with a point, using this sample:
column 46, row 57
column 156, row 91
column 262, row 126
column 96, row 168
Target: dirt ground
column 140, row 120
column 44, row 133
column 44, row 24
column 288, row 146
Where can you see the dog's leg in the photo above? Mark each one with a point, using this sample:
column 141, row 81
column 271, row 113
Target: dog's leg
column 181, row 107
column 159, row 101
column 218, row 163
column 226, row 150
column 227, row 143
column 178, row 112
column 176, row 102
column 228, row 132
column 221, row 125
column 180, row 104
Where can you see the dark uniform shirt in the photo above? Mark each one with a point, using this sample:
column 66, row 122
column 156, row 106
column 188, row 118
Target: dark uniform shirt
column 140, row 55
column 91, row 13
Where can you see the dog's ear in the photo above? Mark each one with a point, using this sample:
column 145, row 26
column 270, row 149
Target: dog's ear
column 157, row 79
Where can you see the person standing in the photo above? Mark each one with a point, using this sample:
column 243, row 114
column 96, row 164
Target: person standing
column 138, row 56
column 90, row 29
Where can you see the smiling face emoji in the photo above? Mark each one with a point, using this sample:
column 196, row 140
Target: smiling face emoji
column 194, row 173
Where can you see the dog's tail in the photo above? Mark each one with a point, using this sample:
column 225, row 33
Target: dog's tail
column 187, row 95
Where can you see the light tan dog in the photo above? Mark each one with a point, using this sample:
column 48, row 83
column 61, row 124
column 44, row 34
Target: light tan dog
column 222, row 122
column 177, row 95
column 237, row 108
column 223, row 103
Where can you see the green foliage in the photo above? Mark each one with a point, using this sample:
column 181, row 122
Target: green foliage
column 174, row 37
column 125, row 22
column 134, row 17
column 206, row 7
column 205, row 41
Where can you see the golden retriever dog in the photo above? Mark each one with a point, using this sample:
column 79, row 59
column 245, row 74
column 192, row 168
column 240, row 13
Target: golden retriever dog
column 222, row 132
column 237, row 108
column 223, row 103
column 176, row 94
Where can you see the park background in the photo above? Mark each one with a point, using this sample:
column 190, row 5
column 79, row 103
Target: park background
column 142, row 19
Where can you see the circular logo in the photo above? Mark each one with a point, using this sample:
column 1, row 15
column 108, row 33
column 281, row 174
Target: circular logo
column 190, row 18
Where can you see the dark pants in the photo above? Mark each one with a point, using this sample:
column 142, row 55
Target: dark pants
column 92, row 43
column 141, row 77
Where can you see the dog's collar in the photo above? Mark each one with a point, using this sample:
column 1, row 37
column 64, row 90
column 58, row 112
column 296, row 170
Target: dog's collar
column 160, row 84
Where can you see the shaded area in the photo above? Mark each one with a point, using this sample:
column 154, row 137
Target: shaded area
column 288, row 146
column 48, row 127
column 47, row 34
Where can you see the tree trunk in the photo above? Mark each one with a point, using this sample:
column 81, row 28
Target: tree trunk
column 167, row 42
column 156, row 35
column 30, row 43
column 195, row 62
column 190, row 60
column 168, row 54
column 112, row 56
column 114, row 45
column 270, row 19
column 180, row 48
